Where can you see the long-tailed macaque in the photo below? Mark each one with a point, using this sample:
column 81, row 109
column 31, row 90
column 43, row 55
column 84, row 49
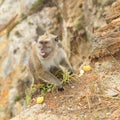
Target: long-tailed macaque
column 48, row 54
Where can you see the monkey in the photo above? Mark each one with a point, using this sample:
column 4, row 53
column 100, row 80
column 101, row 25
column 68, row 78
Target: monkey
column 46, row 55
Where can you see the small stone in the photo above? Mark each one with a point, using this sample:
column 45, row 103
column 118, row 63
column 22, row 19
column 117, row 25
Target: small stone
column 111, row 93
column 72, row 87
column 81, row 73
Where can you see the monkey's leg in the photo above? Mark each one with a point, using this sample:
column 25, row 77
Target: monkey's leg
column 57, row 72
column 50, row 78
column 32, row 72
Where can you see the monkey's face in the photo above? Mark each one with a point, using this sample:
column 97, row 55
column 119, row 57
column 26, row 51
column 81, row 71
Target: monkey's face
column 46, row 45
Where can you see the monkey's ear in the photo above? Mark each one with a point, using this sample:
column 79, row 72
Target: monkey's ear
column 56, row 39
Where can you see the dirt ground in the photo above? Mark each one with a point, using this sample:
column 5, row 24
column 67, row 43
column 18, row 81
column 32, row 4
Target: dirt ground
column 93, row 96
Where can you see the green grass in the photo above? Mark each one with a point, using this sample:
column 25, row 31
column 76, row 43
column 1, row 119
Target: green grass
column 11, row 28
column 66, row 77
column 59, row 18
column 17, row 98
column 79, row 26
column 17, row 33
column 29, row 92
column 44, row 88
column 30, row 23
column 23, row 16
column 36, row 4
column 37, row 89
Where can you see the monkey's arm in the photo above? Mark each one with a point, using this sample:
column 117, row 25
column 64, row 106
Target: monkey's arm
column 65, row 63
column 48, row 77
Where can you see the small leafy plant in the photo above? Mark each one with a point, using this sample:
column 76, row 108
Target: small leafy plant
column 66, row 77
column 79, row 26
column 37, row 4
column 44, row 88
column 15, row 23
column 29, row 93
column 37, row 89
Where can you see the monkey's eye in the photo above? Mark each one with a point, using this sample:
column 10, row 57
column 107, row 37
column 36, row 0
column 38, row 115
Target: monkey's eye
column 43, row 42
column 46, row 42
column 56, row 39
column 40, row 42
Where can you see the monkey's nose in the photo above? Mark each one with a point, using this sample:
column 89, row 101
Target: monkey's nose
column 42, row 50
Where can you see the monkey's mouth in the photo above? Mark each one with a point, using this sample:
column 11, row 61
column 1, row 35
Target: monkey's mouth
column 43, row 53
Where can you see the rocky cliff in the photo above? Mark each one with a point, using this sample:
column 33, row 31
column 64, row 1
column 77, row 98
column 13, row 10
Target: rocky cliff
column 90, row 32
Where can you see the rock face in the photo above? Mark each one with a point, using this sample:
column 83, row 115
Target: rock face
column 105, row 36
column 29, row 114
column 14, row 48
column 74, row 21
column 11, row 8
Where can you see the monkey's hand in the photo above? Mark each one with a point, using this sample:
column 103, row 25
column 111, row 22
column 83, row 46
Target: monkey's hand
column 70, row 71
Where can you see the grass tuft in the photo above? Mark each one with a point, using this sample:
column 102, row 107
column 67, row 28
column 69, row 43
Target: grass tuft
column 11, row 27
column 36, row 4
column 79, row 26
